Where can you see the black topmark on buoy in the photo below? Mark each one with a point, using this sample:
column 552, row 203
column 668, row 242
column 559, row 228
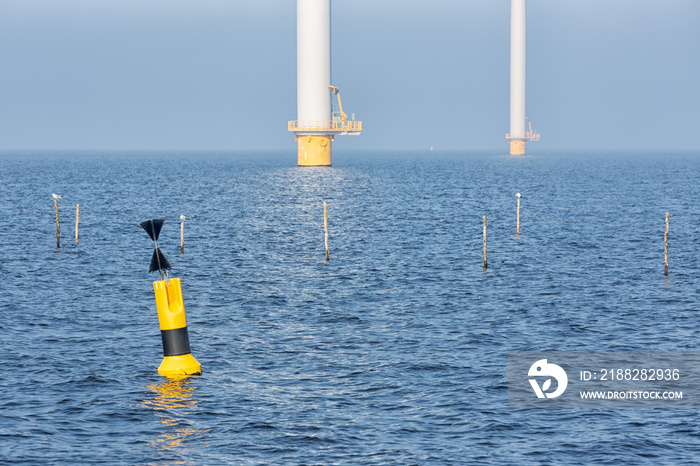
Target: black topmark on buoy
column 178, row 359
column 158, row 261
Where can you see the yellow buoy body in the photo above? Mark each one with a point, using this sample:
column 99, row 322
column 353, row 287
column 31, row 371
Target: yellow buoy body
column 314, row 150
column 178, row 359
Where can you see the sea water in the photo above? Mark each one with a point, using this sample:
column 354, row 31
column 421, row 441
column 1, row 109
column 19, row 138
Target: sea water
column 393, row 352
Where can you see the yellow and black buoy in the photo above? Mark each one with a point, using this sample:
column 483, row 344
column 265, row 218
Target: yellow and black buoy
column 178, row 359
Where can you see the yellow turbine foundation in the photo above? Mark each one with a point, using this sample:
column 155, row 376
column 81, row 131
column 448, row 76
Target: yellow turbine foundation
column 314, row 150
column 517, row 147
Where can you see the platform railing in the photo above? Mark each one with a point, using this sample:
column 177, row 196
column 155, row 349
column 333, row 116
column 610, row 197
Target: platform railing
column 530, row 136
column 326, row 126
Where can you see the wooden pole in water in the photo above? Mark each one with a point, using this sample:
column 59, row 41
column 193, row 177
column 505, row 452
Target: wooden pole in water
column 77, row 215
column 485, row 261
column 666, row 247
column 325, row 226
column 518, row 223
column 182, row 237
column 58, row 225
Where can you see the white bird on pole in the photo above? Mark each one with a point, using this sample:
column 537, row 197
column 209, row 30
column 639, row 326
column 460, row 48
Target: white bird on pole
column 183, row 218
column 56, row 196
column 518, row 195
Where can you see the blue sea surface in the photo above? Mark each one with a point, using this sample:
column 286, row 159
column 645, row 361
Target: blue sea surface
column 393, row 352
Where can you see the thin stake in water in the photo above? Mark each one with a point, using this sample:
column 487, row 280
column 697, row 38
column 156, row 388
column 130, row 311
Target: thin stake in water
column 158, row 261
column 486, row 263
column 58, row 224
column 77, row 215
column 182, row 233
column 517, row 227
column 325, row 226
column 666, row 247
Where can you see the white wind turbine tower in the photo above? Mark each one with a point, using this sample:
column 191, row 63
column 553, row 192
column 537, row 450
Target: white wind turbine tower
column 518, row 135
column 317, row 124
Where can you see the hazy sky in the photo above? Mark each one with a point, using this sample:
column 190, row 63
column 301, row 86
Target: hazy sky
column 221, row 74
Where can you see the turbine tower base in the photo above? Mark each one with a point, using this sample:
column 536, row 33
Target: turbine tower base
column 314, row 150
column 517, row 147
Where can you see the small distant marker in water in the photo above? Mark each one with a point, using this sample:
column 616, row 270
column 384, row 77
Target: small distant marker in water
column 325, row 226
column 182, row 233
column 486, row 263
column 519, row 196
column 56, row 197
column 77, row 215
column 666, row 247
